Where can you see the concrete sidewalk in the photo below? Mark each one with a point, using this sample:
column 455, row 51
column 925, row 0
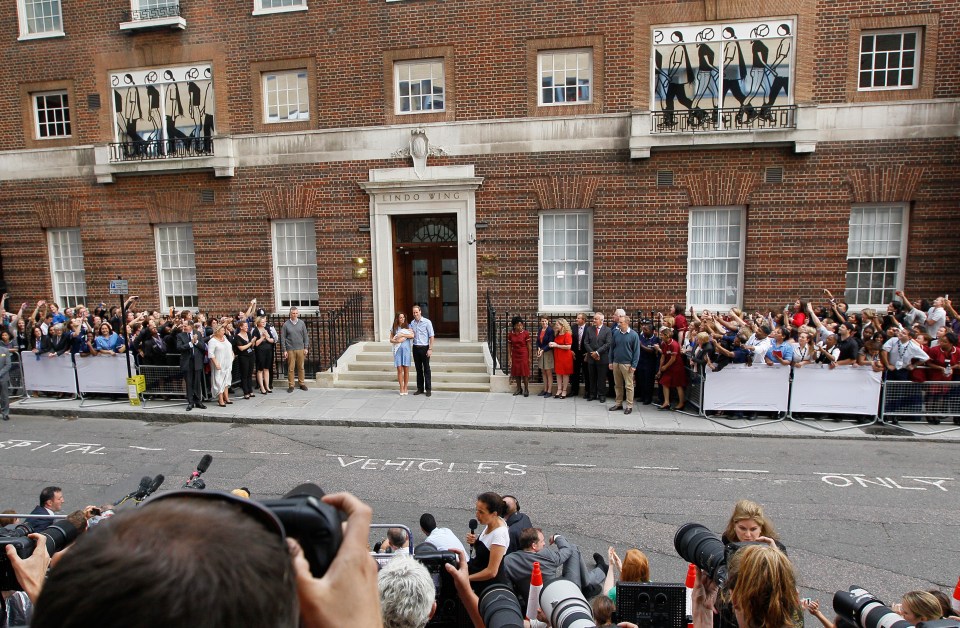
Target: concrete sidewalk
column 462, row 410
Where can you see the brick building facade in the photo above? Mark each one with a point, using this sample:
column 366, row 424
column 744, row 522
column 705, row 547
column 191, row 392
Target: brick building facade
column 563, row 156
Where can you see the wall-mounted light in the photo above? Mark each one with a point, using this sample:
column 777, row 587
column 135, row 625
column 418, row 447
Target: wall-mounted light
column 364, row 228
column 481, row 224
column 360, row 268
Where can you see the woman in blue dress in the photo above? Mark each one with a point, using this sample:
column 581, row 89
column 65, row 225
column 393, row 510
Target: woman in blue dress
column 402, row 338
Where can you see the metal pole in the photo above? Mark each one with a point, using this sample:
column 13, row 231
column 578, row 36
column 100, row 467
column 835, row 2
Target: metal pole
column 123, row 323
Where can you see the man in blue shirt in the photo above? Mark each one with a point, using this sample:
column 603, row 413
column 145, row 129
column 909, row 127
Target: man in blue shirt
column 623, row 363
column 422, row 349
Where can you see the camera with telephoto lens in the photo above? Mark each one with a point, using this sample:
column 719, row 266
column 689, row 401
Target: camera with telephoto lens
column 450, row 611
column 563, row 603
column 697, row 544
column 858, row 608
column 58, row 536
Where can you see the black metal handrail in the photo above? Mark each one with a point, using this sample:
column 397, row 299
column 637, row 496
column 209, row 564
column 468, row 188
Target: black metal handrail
column 148, row 150
column 745, row 118
column 330, row 334
column 152, row 13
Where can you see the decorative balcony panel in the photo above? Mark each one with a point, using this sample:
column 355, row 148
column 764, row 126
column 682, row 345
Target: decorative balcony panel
column 167, row 157
column 153, row 17
column 736, row 119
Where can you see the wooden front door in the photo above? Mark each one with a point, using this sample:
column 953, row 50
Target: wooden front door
column 426, row 270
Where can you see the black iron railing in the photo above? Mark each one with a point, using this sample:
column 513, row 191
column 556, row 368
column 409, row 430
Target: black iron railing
column 148, row 150
column 329, row 333
column 152, row 13
column 746, row 118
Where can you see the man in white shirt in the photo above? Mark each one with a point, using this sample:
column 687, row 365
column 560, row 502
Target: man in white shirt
column 759, row 343
column 936, row 320
column 898, row 355
column 441, row 538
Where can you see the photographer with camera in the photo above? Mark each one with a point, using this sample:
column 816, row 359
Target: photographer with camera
column 207, row 558
column 761, row 589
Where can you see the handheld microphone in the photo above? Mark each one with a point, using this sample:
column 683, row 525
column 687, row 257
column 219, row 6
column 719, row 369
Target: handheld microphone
column 204, row 463
column 157, row 481
column 473, row 530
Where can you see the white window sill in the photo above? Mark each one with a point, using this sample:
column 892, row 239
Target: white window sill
column 50, row 35
column 565, row 104
column 286, row 121
column 174, row 22
column 280, row 10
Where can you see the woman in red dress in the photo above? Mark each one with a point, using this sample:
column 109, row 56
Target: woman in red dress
column 672, row 372
column 562, row 356
column 519, row 340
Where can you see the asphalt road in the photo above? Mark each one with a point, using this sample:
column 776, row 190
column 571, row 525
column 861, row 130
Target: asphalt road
column 885, row 516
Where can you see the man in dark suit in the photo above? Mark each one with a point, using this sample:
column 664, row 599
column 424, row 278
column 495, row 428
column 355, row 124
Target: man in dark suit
column 192, row 349
column 517, row 522
column 51, row 502
column 597, row 345
column 579, row 368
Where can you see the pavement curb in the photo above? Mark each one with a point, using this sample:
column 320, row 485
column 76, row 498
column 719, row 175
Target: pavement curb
column 201, row 417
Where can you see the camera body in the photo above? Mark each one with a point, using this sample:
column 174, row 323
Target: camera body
column 450, row 611
column 57, row 537
column 314, row 524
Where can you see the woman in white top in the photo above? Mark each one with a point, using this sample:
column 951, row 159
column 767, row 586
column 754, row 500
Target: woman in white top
column 486, row 568
column 803, row 352
column 220, row 351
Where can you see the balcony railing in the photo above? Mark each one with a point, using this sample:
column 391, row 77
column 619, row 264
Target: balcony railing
column 160, row 149
column 748, row 118
column 152, row 13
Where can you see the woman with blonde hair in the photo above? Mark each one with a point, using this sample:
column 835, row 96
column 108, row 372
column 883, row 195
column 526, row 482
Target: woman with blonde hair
column 748, row 523
column 918, row 606
column 761, row 589
column 562, row 356
column 633, row 568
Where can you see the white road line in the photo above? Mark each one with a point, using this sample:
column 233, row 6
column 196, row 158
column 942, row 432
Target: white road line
column 582, row 466
column 272, row 453
column 207, row 451
column 145, row 448
column 922, row 477
column 484, row 461
column 851, row 474
column 742, row 471
column 660, row 468
column 344, row 456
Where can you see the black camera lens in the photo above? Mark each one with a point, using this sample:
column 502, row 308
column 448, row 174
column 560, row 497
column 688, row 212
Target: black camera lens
column 861, row 608
column 697, row 544
column 499, row 607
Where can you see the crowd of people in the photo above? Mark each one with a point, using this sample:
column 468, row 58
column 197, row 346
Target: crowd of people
column 214, row 354
column 914, row 341
column 231, row 566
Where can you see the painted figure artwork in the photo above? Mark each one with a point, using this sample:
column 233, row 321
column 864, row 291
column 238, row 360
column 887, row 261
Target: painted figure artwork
column 164, row 112
column 722, row 75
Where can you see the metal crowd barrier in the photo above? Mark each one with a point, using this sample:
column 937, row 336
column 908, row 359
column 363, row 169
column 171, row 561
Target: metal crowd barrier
column 163, row 382
column 694, row 395
column 930, row 401
column 731, row 377
column 16, row 377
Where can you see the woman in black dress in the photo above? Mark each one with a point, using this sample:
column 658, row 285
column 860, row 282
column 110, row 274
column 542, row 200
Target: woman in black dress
column 264, row 343
column 243, row 345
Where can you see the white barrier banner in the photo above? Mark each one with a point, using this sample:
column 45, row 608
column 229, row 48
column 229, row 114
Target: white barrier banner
column 49, row 374
column 738, row 387
column 102, row 374
column 841, row 390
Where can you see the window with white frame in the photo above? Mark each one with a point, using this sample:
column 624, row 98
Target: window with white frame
column 278, row 6
column 154, row 9
column 715, row 257
column 40, row 18
column 566, row 254
column 295, row 263
column 889, row 59
column 51, row 114
column 419, row 86
column 286, row 96
column 566, row 77
column 66, row 265
column 876, row 248
column 176, row 265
